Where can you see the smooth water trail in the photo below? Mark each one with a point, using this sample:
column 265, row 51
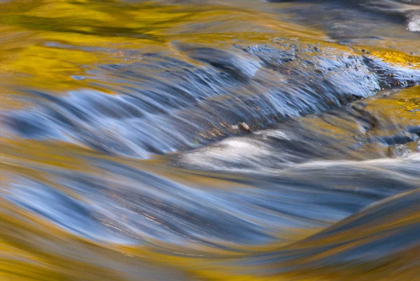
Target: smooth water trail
column 179, row 105
column 209, row 140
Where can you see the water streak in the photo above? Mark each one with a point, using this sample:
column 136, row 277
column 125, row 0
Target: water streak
column 209, row 140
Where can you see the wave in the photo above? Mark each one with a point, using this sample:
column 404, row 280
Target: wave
column 372, row 128
column 208, row 140
column 179, row 105
column 381, row 234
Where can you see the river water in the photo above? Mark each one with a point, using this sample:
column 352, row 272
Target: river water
column 210, row 140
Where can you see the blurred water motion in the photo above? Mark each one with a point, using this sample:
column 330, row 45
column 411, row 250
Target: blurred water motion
column 210, row 140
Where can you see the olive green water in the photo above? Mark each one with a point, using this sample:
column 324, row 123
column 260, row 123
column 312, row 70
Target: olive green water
column 124, row 156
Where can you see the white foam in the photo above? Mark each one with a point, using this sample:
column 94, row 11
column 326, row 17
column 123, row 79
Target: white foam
column 229, row 151
column 414, row 23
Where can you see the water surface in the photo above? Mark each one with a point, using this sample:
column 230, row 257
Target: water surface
column 210, row 140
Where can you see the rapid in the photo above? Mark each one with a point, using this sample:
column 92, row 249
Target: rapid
column 210, row 140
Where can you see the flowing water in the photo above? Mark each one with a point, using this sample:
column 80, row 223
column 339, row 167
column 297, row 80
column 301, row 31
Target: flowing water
column 210, row 140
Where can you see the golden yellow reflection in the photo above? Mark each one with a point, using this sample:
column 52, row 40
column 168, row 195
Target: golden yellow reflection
column 54, row 46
